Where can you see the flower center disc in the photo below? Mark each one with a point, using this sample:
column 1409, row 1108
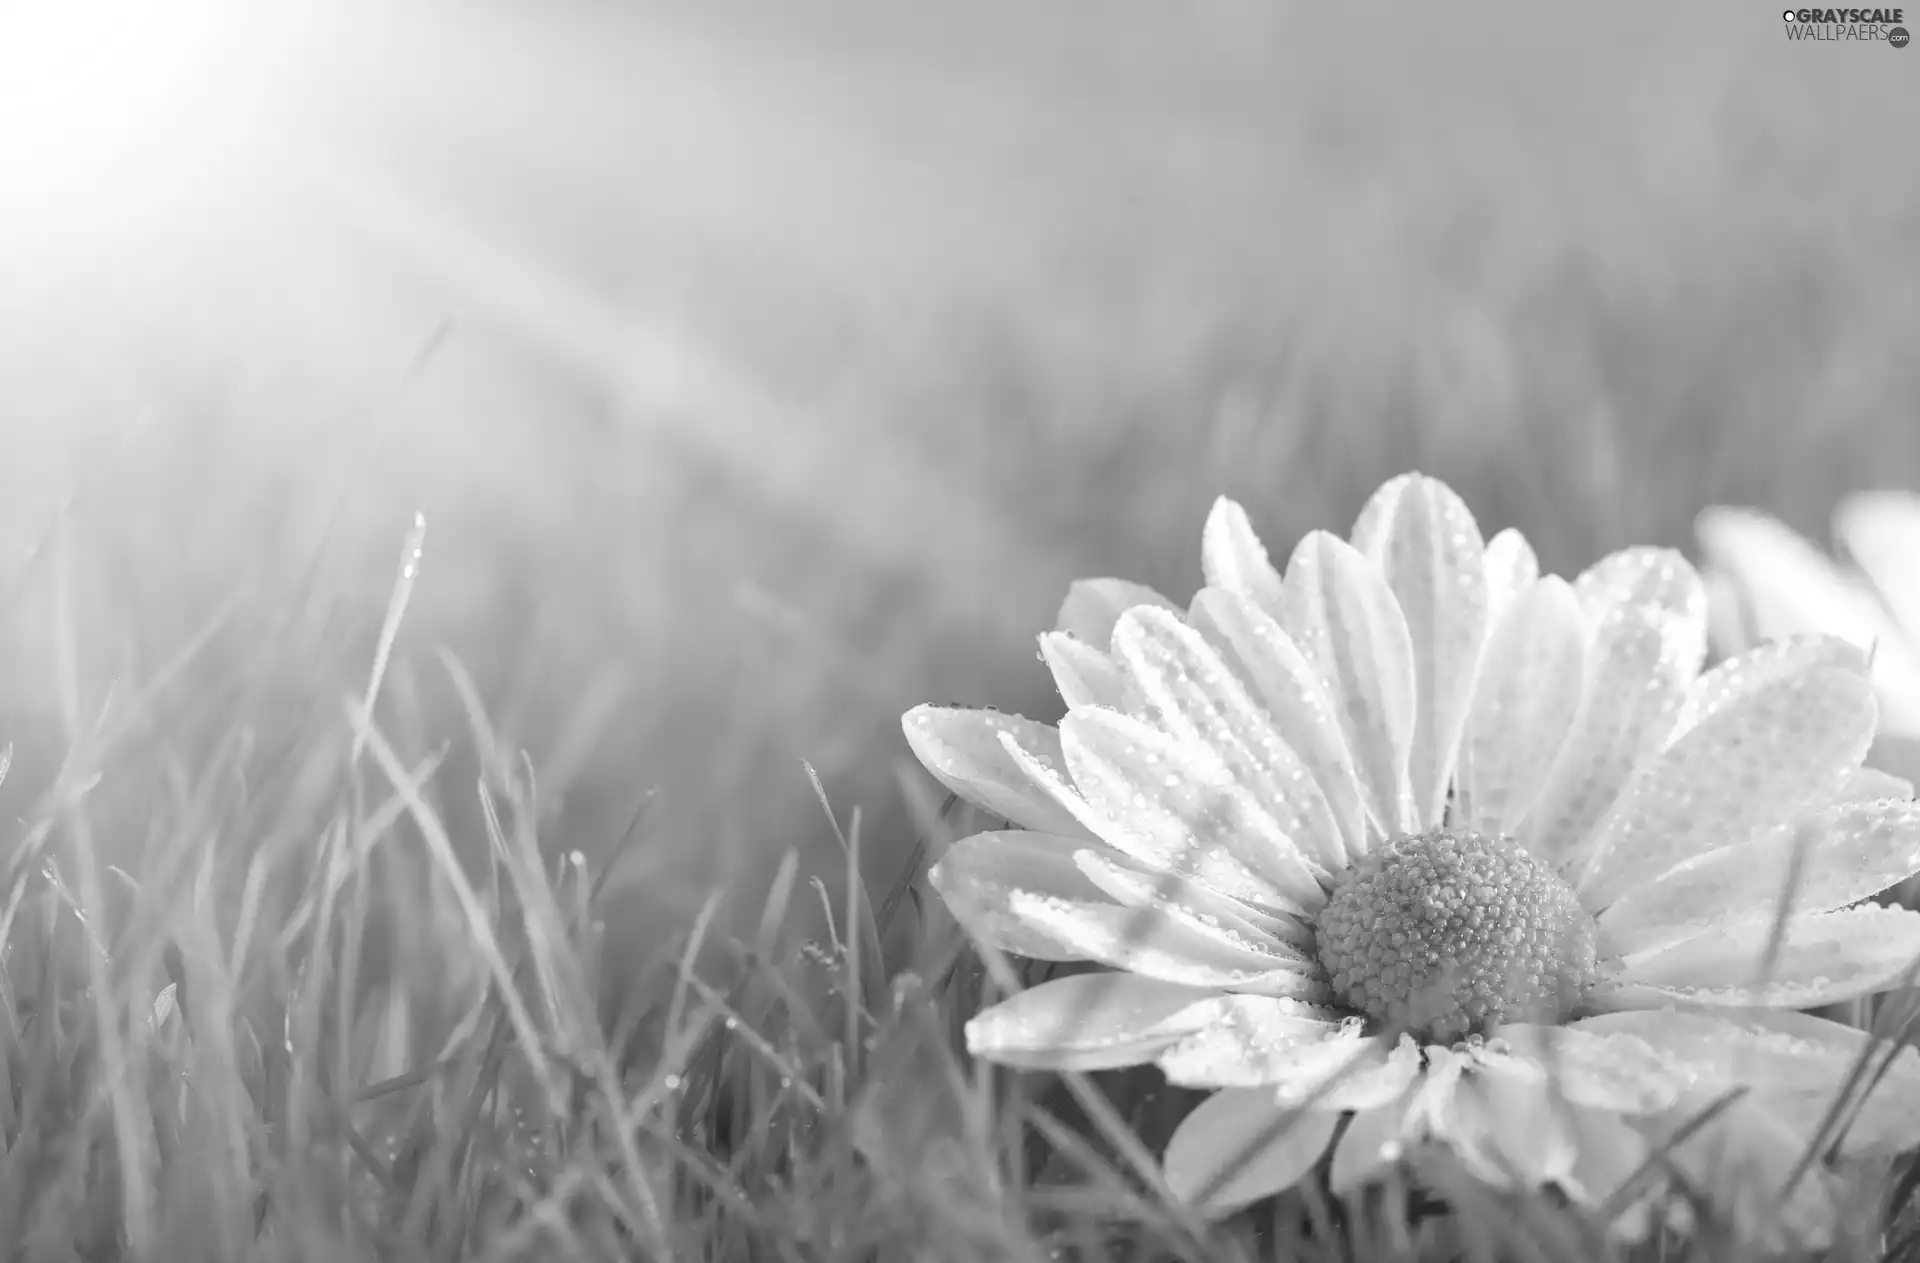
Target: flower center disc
column 1449, row 933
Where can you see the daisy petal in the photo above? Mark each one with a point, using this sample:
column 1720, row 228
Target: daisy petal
column 1511, row 569
column 1337, row 1068
column 1179, row 805
column 1425, row 541
column 1870, row 784
column 1084, row 675
column 978, row 874
column 1133, row 887
column 1373, row 1141
column 1506, row 1126
column 1619, row 1072
column 1239, row 1049
column 962, row 749
column 1165, row 944
column 1823, row 959
column 1881, row 530
column 1344, row 618
column 1194, row 696
column 1787, row 585
column 1797, row 1063
column 1646, row 613
column 1089, row 1022
column 1279, row 1146
column 1295, row 699
column 1740, row 1162
column 1529, row 691
column 1851, row 852
column 1233, row 558
column 1093, row 606
column 1761, row 755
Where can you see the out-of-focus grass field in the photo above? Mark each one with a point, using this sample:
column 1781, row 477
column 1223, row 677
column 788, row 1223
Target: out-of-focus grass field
column 761, row 373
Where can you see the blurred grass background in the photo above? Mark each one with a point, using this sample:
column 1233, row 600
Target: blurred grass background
column 763, row 370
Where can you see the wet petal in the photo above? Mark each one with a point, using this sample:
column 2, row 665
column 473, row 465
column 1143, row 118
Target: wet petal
column 1373, row 1141
column 1084, row 675
column 1132, row 886
column 1639, row 662
column 1823, row 959
column 1621, row 1072
column 1089, row 1022
column 1295, row 698
column 1343, row 616
column 1333, row 1068
column 1529, row 692
column 1849, row 852
column 1740, row 1162
column 1233, row 558
column 1093, row 606
column 1425, row 542
column 1506, row 1126
column 1165, row 943
column 1194, row 696
column 1280, row 1148
column 1247, row 1047
column 962, row 749
column 978, row 875
column 1870, row 784
column 1754, row 755
column 1657, row 579
column 1511, row 569
column 1180, row 805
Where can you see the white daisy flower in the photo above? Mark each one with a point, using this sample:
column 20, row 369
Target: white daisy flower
column 1767, row 581
column 1417, row 838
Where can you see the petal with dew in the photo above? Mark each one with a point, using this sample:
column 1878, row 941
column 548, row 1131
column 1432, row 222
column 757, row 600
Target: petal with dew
column 963, row 750
column 1233, row 558
column 1511, row 569
column 1797, row 1062
column 1180, row 804
column 1089, row 1022
column 1507, row 1127
column 1822, row 959
column 1249, row 1045
column 1238, row 1146
column 1870, row 784
column 1084, row 675
column 1764, row 666
column 1641, row 656
column 1424, row 540
column 1093, row 606
column 1768, row 754
column 1343, row 616
column 1339, row 1068
column 1295, row 697
column 1132, row 886
column 1166, row 944
column 1195, row 696
column 1146, row 839
column 1374, row 1140
column 978, row 875
column 1835, row 858
column 1528, row 695
column 1620, row 1072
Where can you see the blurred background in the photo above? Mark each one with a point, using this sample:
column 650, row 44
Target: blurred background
column 763, row 369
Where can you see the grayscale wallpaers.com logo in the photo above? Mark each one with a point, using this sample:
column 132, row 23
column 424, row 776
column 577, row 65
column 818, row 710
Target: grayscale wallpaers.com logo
column 1847, row 24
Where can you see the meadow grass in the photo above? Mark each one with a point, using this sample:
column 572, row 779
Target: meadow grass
column 567, row 900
